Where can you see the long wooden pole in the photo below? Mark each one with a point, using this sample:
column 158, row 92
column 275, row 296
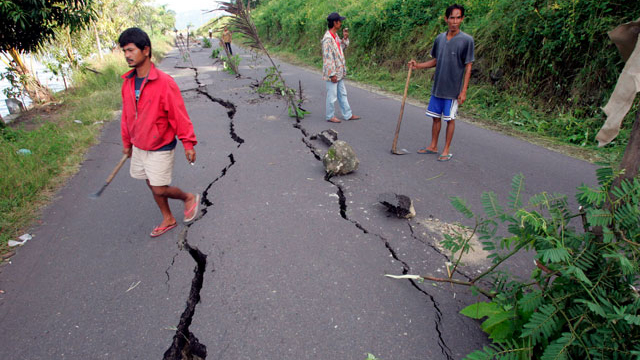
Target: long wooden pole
column 404, row 98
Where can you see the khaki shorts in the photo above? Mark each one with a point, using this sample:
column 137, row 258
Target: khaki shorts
column 156, row 166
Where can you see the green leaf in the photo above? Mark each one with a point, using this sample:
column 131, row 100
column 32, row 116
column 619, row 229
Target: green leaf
column 558, row 350
column 599, row 217
column 595, row 308
column 490, row 204
column 542, row 324
column 481, row 310
column 515, row 195
column 531, row 301
column 579, row 274
column 460, row 205
column 632, row 319
column 554, row 255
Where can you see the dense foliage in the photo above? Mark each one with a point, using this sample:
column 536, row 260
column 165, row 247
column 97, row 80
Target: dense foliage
column 582, row 301
column 27, row 24
column 558, row 48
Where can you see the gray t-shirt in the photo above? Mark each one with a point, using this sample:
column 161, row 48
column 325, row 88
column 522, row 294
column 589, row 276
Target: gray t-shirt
column 451, row 57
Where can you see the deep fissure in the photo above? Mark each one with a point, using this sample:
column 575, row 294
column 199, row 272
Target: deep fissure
column 342, row 201
column 185, row 345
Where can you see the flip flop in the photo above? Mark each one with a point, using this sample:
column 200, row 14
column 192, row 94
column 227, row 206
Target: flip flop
column 354, row 117
column 161, row 230
column 446, row 157
column 334, row 121
column 193, row 211
column 425, row 151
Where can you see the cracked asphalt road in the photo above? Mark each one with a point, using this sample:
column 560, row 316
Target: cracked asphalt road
column 295, row 263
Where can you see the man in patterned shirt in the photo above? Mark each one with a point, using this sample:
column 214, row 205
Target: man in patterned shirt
column 334, row 69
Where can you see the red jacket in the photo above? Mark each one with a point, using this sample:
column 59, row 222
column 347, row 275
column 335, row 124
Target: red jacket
column 158, row 116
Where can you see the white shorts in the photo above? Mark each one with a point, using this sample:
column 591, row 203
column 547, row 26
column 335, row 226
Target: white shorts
column 156, row 166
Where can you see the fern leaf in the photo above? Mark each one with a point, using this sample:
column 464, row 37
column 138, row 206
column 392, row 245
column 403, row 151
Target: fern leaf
column 542, row 324
column 515, row 195
column 531, row 301
column 579, row 274
column 508, row 350
column 554, row 255
column 632, row 319
column 490, row 204
column 460, row 205
column 558, row 349
column 599, row 217
column 595, row 308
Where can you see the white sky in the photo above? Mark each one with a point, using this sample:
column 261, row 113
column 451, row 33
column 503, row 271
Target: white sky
column 187, row 5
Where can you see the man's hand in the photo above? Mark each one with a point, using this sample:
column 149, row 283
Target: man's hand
column 334, row 78
column 345, row 33
column 127, row 151
column 412, row 64
column 191, row 155
column 462, row 97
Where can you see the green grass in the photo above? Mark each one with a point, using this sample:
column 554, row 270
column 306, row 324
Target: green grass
column 57, row 143
column 57, row 146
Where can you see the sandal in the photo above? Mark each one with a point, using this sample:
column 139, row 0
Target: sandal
column 445, row 157
column 161, row 230
column 191, row 213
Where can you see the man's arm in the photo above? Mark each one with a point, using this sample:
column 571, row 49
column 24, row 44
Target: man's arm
column 124, row 128
column 425, row 65
column 467, row 75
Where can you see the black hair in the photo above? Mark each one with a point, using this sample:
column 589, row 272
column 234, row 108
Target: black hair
column 450, row 9
column 136, row 36
column 330, row 23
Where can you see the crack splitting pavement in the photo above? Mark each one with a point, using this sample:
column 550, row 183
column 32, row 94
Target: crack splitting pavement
column 342, row 200
column 185, row 345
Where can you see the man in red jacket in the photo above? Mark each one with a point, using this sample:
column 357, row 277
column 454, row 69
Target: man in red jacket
column 153, row 114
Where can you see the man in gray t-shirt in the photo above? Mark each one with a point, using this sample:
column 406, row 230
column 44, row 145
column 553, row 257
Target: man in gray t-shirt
column 453, row 54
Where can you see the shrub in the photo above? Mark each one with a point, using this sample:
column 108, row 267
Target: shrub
column 581, row 302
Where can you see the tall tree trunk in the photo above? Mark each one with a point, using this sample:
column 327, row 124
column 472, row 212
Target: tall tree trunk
column 35, row 90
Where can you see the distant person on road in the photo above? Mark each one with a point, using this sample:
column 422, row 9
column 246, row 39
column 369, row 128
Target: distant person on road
column 453, row 55
column 334, row 69
column 153, row 114
column 226, row 39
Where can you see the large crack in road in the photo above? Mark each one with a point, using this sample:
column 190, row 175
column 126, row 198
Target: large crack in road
column 190, row 345
column 342, row 201
column 185, row 345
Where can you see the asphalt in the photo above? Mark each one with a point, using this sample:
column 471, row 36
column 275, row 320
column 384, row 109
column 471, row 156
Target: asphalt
column 295, row 262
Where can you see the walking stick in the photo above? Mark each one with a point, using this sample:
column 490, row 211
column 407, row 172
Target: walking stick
column 395, row 139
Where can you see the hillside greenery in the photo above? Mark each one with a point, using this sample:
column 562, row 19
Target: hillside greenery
column 541, row 66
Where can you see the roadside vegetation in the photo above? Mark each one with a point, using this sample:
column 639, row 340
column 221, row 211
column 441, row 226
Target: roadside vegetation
column 42, row 148
column 542, row 67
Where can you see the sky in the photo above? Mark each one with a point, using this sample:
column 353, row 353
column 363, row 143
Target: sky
column 190, row 11
column 186, row 5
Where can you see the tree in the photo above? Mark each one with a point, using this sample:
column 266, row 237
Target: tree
column 29, row 24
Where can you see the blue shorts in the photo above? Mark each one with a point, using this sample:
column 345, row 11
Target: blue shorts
column 445, row 109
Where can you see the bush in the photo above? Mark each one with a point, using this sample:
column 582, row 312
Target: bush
column 581, row 302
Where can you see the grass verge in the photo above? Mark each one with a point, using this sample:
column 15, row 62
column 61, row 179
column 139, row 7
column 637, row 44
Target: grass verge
column 57, row 137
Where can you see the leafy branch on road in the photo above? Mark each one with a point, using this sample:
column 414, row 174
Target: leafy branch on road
column 582, row 300
column 242, row 23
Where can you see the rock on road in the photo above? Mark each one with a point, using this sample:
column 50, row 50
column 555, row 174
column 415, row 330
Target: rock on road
column 295, row 263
